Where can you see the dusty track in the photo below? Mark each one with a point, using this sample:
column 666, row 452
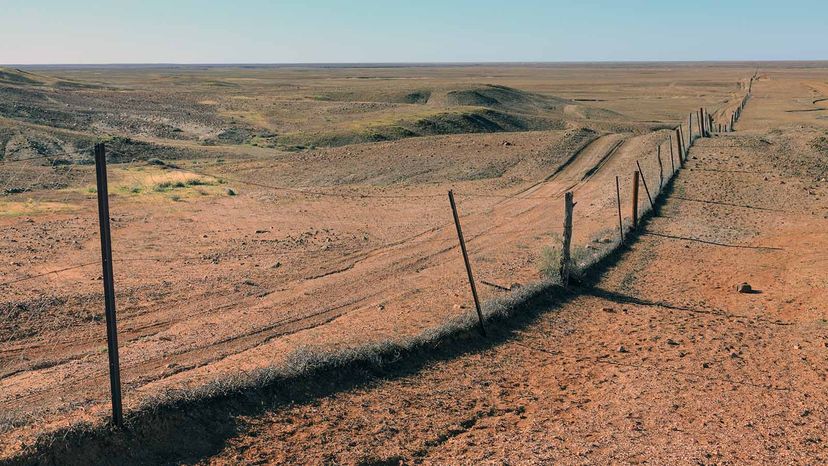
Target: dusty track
column 378, row 291
column 660, row 362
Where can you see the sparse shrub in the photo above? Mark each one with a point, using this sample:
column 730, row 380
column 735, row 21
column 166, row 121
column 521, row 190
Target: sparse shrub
column 175, row 197
column 550, row 261
column 163, row 187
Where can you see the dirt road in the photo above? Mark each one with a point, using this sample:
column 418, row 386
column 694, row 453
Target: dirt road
column 662, row 362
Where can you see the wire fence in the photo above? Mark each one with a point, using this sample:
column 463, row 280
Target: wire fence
column 303, row 266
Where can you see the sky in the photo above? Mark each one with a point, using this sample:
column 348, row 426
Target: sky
column 375, row 31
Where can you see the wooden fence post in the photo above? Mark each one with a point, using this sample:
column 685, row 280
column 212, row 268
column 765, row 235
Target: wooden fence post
column 635, row 201
column 466, row 260
column 672, row 163
column 660, row 168
column 646, row 189
column 109, row 286
column 567, row 239
column 618, row 199
column 690, row 130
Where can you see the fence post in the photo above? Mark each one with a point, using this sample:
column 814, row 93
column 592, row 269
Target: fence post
column 567, row 239
column 618, row 199
column 109, row 285
column 660, row 168
column 646, row 189
column 690, row 130
column 672, row 163
column 466, row 260
column 682, row 150
column 700, row 120
column 635, row 201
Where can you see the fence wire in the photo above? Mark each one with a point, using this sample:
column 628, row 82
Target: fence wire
column 251, row 286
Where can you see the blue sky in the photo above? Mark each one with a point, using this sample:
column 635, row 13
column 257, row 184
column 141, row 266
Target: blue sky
column 313, row 31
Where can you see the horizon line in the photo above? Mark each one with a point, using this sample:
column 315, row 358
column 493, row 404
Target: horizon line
column 413, row 63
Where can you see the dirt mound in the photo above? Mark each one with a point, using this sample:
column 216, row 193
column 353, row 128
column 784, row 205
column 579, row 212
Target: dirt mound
column 457, row 122
column 15, row 76
column 504, row 98
column 409, row 96
column 24, row 78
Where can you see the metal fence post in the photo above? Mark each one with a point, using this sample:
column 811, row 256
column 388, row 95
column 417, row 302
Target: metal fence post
column 109, row 285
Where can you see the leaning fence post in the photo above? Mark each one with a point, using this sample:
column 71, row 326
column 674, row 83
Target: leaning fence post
column 567, row 239
column 646, row 189
column 618, row 200
column 635, row 201
column 466, row 260
column 109, row 285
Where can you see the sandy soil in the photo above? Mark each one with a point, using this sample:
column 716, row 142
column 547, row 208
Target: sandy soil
column 212, row 285
column 662, row 362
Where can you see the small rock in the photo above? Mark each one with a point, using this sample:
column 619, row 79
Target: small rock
column 276, row 265
column 744, row 287
column 608, row 309
column 249, row 282
column 672, row 342
column 706, row 365
column 259, row 232
column 621, row 349
column 515, row 286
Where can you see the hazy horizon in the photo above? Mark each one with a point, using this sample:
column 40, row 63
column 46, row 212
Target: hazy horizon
column 430, row 32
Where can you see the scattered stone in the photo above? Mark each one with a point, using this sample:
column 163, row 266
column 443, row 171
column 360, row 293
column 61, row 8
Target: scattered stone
column 515, row 286
column 621, row 349
column 608, row 309
column 672, row 342
column 381, row 307
column 259, row 232
column 249, row 282
column 706, row 365
column 507, row 143
column 276, row 265
column 744, row 287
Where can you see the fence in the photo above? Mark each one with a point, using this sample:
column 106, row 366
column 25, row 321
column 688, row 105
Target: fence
column 259, row 294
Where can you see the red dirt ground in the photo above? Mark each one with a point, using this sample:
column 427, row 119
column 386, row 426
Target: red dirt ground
column 662, row 363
